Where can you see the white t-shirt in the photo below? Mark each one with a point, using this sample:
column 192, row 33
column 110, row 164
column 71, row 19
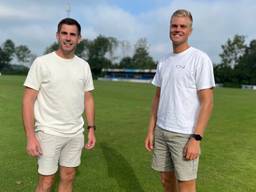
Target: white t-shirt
column 180, row 76
column 60, row 102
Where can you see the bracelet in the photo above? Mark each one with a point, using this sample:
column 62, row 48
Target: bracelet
column 91, row 126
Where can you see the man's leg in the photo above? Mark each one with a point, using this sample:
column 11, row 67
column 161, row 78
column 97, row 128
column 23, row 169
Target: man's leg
column 67, row 175
column 187, row 186
column 70, row 158
column 45, row 183
column 169, row 181
column 162, row 161
column 48, row 161
column 185, row 170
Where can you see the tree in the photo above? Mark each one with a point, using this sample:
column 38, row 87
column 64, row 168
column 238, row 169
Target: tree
column 125, row 48
column 23, row 54
column 113, row 44
column 97, row 51
column 233, row 50
column 223, row 73
column 6, row 53
column 9, row 49
column 246, row 69
column 4, row 59
column 126, row 62
column 141, row 57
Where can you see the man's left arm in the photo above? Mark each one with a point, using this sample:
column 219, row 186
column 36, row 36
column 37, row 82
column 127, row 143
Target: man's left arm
column 90, row 117
column 192, row 149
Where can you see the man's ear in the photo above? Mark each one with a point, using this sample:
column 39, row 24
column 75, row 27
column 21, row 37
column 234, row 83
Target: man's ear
column 191, row 30
column 79, row 39
column 57, row 36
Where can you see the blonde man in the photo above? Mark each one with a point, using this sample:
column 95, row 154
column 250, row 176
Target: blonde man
column 181, row 108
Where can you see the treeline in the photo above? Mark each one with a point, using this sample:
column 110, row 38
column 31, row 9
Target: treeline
column 237, row 66
column 102, row 52
column 238, row 63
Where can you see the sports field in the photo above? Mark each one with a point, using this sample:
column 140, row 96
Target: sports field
column 119, row 163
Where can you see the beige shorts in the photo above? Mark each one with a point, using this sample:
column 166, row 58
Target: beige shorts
column 63, row 151
column 168, row 155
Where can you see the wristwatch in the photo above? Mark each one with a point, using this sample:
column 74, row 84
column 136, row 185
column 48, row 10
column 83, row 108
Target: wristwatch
column 197, row 137
column 91, row 127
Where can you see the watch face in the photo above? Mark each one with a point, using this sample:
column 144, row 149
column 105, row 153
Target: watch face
column 197, row 137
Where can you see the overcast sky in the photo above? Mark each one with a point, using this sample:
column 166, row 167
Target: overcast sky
column 33, row 22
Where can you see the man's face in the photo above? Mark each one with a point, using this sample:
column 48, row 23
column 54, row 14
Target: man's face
column 68, row 38
column 180, row 30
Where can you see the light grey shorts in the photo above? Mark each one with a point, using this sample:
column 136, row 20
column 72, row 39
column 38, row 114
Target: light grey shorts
column 63, row 151
column 168, row 155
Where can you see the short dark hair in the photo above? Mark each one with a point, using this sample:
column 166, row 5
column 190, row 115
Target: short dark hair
column 69, row 21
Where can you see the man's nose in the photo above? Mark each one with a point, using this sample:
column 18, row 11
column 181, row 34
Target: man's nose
column 68, row 37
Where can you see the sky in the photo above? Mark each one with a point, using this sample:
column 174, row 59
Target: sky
column 33, row 22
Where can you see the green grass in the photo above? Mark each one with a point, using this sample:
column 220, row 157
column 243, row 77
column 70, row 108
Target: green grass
column 119, row 162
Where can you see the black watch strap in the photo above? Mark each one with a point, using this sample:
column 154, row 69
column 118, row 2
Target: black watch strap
column 91, row 127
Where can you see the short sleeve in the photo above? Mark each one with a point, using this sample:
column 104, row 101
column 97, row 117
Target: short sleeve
column 88, row 80
column 35, row 76
column 204, row 74
column 157, row 78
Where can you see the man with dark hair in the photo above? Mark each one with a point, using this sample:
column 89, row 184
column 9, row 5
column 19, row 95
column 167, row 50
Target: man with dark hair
column 57, row 92
column 181, row 108
column 69, row 21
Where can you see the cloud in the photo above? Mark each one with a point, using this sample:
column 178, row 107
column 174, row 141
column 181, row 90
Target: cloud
column 34, row 23
column 111, row 21
column 11, row 13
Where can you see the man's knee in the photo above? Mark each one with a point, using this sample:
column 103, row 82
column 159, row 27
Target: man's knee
column 45, row 183
column 187, row 186
column 168, row 181
column 165, row 180
column 67, row 174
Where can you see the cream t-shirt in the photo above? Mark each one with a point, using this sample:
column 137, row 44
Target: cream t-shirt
column 61, row 84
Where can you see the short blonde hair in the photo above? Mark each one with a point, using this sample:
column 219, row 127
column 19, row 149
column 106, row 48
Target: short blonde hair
column 183, row 13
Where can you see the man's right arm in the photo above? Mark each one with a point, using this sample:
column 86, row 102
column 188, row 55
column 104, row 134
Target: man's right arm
column 152, row 121
column 29, row 97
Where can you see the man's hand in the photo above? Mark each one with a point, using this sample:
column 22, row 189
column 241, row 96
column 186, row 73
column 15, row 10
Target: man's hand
column 192, row 149
column 149, row 142
column 33, row 147
column 91, row 139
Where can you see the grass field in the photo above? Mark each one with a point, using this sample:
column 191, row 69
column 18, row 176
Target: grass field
column 119, row 162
